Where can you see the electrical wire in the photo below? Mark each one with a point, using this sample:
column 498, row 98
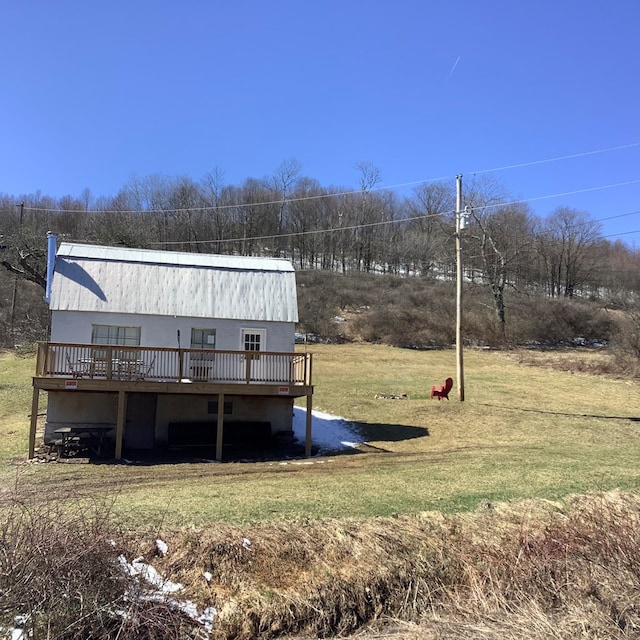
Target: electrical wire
column 295, row 234
column 557, row 195
column 557, row 159
column 281, row 201
column 440, row 214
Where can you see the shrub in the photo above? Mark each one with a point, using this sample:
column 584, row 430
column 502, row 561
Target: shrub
column 60, row 578
column 561, row 320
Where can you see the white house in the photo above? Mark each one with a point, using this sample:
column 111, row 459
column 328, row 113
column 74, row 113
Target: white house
column 157, row 348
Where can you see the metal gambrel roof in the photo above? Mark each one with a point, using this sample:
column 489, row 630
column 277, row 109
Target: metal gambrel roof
column 168, row 283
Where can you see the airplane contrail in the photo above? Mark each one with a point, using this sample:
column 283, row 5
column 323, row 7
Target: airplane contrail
column 455, row 64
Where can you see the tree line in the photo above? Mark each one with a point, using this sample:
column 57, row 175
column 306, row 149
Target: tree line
column 345, row 230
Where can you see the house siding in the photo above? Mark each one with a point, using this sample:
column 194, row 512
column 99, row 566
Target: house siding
column 162, row 331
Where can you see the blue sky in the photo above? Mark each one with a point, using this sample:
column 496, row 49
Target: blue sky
column 94, row 93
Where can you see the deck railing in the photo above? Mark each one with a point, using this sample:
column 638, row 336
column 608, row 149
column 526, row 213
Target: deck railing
column 114, row 362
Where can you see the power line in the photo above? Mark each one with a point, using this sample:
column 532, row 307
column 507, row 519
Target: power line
column 397, row 221
column 295, row 234
column 620, row 215
column 568, row 157
column 281, row 201
column 559, row 195
column 622, row 233
column 385, row 222
column 439, row 214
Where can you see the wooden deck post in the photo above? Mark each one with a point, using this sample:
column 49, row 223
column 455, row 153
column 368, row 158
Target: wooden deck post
column 247, row 366
column 34, row 422
column 220, row 427
column 307, row 441
column 122, row 412
column 307, row 377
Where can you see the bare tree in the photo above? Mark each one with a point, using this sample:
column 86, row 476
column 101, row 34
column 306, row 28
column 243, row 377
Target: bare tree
column 24, row 242
column 504, row 236
column 284, row 180
column 256, row 217
column 185, row 199
column 309, row 212
column 620, row 268
column 218, row 215
column 432, row 218
column 565, row 247
column 370, row 176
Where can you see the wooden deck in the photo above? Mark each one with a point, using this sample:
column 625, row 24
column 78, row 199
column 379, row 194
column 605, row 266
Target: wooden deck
column 164, row 365
column 127, row 369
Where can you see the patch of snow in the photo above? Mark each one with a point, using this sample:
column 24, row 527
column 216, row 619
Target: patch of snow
column 207, row 618
column 328, row 432
column 246, row 543
column 16, row 632
column 162, row 587
column 161, row 547
column 187, row 607
column 149, row 574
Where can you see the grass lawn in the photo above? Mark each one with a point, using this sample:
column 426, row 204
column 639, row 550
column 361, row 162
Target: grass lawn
column 523, row 431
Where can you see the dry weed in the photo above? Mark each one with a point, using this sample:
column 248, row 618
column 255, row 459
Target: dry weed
column 60, row 578
column 590, row 362
column 534, row 570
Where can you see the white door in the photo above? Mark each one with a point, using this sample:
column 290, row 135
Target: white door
column 253, row 341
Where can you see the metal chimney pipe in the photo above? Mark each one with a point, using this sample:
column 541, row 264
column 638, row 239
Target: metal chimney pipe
column 51, row 259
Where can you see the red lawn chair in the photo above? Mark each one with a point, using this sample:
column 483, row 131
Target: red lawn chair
column 442, row 391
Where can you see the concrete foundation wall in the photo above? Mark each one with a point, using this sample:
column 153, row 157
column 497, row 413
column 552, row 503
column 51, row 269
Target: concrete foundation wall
column 148, row 415
column 183, row 408
column 68, row 407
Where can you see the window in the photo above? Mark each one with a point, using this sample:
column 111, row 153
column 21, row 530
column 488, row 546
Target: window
column 253, row 339
column 110, row 334
column 203, row 338
column 201, row 364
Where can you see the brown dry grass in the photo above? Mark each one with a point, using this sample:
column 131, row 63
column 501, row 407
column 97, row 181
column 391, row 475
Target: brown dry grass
column 536, row 569
column 531, row 570
column 589, row 361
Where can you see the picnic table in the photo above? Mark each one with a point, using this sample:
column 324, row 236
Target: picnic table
column 73, row 439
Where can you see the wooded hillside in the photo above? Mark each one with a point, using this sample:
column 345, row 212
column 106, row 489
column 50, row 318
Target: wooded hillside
column 527, row 278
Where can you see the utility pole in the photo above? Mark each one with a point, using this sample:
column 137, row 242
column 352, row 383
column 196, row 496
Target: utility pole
column 460, row 225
